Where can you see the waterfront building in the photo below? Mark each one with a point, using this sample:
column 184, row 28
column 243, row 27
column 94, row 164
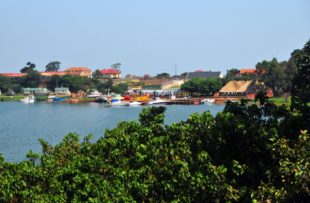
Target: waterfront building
column 110, row 73
column 237, row 88
column 62, row 91
column 79, row 71
column 35, row 91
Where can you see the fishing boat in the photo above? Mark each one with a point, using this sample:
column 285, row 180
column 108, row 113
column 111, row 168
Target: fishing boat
column 28, row 100
column 119, row 103
column 207, row 101
column 158, row 101
column 135, row 103
column 59, row 99
column 103, row 99
column 94, row 94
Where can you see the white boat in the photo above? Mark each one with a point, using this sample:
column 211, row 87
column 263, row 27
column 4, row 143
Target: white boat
column 119, row 103
column 135, row 103
column 207, row 101
column 158, row 101
column 28, row 100
column 51, row 96
column 94, row 94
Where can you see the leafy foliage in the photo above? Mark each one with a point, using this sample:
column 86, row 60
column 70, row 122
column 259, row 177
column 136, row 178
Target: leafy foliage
column 30, row 67
column 202, row 86
column 52, row 66
column 162, row 75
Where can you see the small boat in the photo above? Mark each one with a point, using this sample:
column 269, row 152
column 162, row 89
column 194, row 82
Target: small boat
column 94, row 94
column 207, row 101
column 119, row 103
column 28, row 100
column 102, row 99
column 158, row 101
column 59, row 99
column 135, row 103
column 51, row 96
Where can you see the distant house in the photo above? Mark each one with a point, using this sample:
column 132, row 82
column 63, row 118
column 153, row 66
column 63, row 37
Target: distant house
column 204, row 74
column 53, row 73
column 79, row 71
column 13, row 75
column 247, row 71
column 62, row 91
column 35, row 91
column 237, row 88
column 110, row 73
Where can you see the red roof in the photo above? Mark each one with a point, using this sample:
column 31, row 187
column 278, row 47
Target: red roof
column 17, row 75
column 247, row 71
column 110, row 71
column 199, row 71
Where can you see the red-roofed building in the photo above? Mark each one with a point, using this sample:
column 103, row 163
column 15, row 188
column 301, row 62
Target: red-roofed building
column 79, row 71
column 13, row 75
column 248, row 71
column 110, row 73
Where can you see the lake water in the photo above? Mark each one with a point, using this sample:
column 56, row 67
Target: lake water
column 21, row 125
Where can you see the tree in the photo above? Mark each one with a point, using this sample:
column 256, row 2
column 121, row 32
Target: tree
column 52, row 66
column 162, row 75
column 30, row 67
column 97, row 74
column 105, row 86
column 5, row 84
column 121, row 88
column 202, row 86
column 301, row 82
column 274, row 75
column 116, row 66
column 32, row 79
column 183, row 75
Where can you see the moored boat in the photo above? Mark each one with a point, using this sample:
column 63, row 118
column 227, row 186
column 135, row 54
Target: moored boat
column 135, row 103
column 119, row 103
column 207, row 101
column 94, row 94
column 158, row 101
column 28, row 100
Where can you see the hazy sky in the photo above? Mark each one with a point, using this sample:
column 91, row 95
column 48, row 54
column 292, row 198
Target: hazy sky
column 150, row 36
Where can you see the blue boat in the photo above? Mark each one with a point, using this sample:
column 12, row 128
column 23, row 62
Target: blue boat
column 59, row 99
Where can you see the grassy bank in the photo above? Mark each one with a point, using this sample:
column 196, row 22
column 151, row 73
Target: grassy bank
column 19, row 97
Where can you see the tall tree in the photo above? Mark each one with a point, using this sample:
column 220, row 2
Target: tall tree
column 162, row 75
column 273, row 75
column 32, row 79
column 97, row 74
column 116, row 66
column 301, row 82
column 29, row 67
column 52, row 66
column 202, row 86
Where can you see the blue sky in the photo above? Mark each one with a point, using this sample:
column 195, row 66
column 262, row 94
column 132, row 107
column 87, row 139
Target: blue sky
column 149, row 37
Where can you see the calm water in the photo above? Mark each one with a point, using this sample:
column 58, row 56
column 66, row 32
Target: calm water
column 21, row 125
